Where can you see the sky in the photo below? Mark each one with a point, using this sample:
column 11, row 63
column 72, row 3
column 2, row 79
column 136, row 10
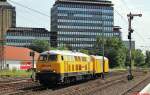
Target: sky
column 141, row 35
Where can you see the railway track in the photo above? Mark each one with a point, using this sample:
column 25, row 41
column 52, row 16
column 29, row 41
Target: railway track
column 13, row 88
column 89, row 87
column 13, row 82
column 132, row 90
column 49, row 91
column 94, row 86
column 85, row 88
column 8, row 80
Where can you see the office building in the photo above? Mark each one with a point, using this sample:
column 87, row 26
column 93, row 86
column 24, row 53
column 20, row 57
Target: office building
column 79, row 22
column 7, row 17
column 117, row 32
column 24, row 36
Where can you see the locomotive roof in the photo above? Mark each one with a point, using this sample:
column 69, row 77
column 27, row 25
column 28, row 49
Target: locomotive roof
column 64, row 52
column 99, row 57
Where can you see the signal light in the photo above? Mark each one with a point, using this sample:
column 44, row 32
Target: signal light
column 129, row 36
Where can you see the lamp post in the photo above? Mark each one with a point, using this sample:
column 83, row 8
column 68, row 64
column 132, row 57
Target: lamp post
column 103, row 49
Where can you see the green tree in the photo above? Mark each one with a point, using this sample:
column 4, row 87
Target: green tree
column 64, row 47
column 112, row 56
column 117, row 57
column 138, row 58
column 114, row 50
column 39, row 45
column 68, row 46
column 84, row 51
column 147, row 59
column 127, row 62
column 97, row 48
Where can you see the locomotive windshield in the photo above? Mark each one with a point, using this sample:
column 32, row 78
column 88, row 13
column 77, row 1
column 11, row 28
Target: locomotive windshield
column 52, row 57
column 43, row 57
column 48, row 57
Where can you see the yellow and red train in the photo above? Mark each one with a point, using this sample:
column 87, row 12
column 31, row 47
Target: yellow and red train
column 57, row 66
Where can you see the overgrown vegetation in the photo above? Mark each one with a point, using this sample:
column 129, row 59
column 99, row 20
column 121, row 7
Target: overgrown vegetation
column 118, row 54
column 114, row 50
column 147, row 59
column 43, row 45
column 14, row 73
column 39, row 45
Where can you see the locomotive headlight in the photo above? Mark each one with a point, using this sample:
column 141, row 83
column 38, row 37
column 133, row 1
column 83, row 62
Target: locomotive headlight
column 54, row 71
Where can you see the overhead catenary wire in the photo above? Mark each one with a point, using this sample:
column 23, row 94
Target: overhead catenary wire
column 125, row 20
column 36, row 11
column 31, row 9
column 41, row 13
column 122, row 17
column 125, row 4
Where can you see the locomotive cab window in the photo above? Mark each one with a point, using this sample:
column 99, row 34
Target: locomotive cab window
column 43, row 57
column 52, row 58
column 62, row 58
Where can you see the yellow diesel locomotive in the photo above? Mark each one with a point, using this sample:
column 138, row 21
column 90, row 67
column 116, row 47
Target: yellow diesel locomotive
column 57, row 66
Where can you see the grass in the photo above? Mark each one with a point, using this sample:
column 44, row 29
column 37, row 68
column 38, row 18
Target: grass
column 14, row 73
column 125, row 68
column 118, row 69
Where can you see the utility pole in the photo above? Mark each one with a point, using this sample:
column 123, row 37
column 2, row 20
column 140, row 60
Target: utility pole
column 103, row 48
column 2, row 41
column 32, row 54
column 130, row 18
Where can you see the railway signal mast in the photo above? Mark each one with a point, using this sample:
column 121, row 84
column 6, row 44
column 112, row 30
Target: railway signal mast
column 130, row 18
